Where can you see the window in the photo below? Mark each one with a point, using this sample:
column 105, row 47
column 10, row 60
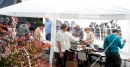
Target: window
column 95, row 28
column 67, row 23
column 116, row 26
column 104, row 29
column 73, row 24
column 58, row 24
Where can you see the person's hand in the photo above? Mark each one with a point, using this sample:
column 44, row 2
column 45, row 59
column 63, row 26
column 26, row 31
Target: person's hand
column 124, row 41
column 79, row 38
column 61, row 55
column 85, row 42
column 37, row 39
column 75, row 36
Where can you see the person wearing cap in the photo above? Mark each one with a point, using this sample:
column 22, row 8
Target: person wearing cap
column 78, row 32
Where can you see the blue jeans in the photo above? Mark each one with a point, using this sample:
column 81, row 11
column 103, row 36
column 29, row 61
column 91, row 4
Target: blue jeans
column 48, row 37
column 110, row 62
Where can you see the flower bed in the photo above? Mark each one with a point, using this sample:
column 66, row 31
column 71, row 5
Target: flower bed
column 23, row 53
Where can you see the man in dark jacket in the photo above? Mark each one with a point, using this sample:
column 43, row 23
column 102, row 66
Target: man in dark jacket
column 23, row 29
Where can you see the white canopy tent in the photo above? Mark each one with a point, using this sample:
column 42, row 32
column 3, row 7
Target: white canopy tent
column 69, row 9
column 75, row 9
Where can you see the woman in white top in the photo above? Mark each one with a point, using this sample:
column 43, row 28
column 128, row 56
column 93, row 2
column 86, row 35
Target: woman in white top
column 68, row 39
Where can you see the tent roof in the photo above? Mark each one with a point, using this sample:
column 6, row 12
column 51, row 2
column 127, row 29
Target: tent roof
column 74, row 9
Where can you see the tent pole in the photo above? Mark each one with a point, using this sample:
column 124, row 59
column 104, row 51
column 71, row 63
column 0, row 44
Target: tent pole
column 53, row 30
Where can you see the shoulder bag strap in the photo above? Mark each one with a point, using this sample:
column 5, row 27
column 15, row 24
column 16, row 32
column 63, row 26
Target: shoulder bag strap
column 108, row 46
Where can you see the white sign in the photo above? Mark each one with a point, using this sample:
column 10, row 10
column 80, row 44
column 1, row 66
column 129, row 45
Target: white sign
column 82, row 56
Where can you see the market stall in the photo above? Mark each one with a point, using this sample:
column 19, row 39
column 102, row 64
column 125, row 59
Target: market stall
column 77, row 9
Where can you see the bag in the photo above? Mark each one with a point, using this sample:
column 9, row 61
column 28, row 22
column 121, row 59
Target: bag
column 71, row 56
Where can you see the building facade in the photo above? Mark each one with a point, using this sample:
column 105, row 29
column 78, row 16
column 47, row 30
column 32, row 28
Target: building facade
column 33, row 21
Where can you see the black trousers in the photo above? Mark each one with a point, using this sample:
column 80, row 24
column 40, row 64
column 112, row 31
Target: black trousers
column 110, row 62
column 65, row 57
column 59, row 61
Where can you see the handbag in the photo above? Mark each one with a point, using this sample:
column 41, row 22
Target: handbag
column 116, row 61
column 71, row 56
